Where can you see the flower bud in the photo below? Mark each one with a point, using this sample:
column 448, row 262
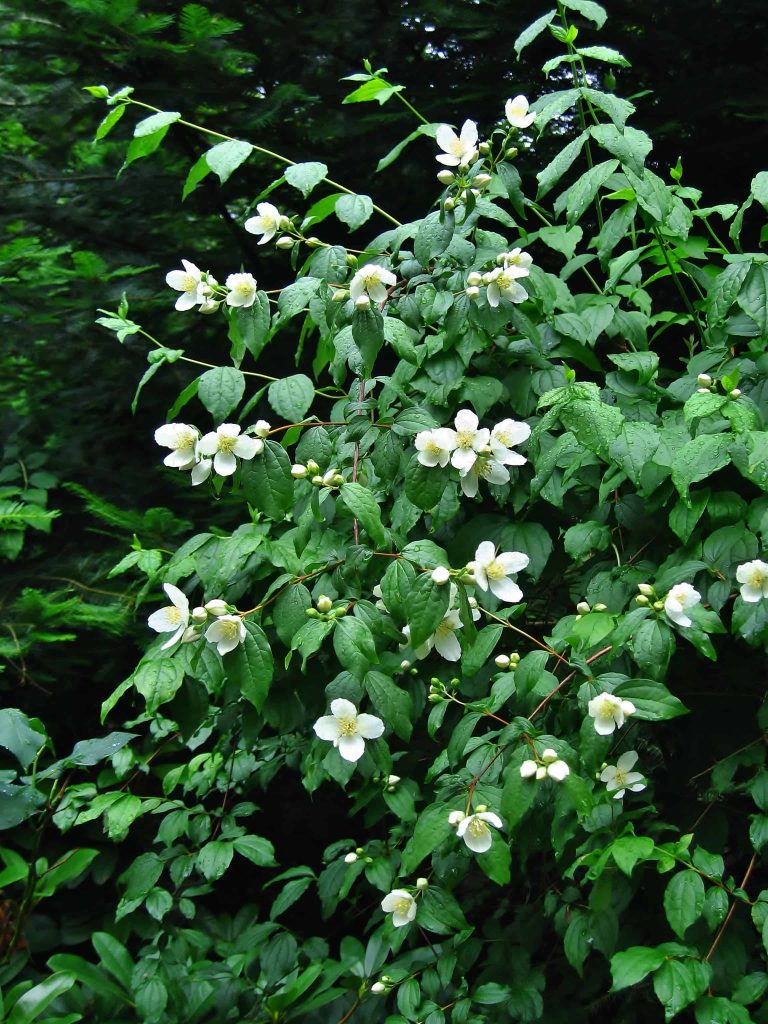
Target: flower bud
column 463, row 167
column 658, row 606
column 209, row 306
column 338, row 480
column 642, row 600
column 541, row 772
column 312, row 466
column 440, row 575
column 199, row 614
column 392, row 780
column 377, row 988
column 446, row 177
column 488, row 278
column 340, row 295
column 261, row 428
column 324, row 603
column 481, row 809
column 528, row 769
column 350, row 259
column 484, row 148
column 702, row 391
column 422, row 884
column 328, row 476
column 413, row 672
column 645, row 588
column 313, row 242
column 434, row 698
column 501, row 661
column 284, row 242
column 481, row 180
column 449, row 203
column 583, row 608
column 312, row 613
column 368, row 860
column 472, row 293
column 514, row 659
column 317, row 481
column 600, row 608
column 350, row 858
column 735, row 393
column 217, row 607
column 475, row 192
column 549, row 755
column 190, row 634
column 511, row 153
column 704, row 380
column 455, row 817
column 298, row 472
column 285, row 223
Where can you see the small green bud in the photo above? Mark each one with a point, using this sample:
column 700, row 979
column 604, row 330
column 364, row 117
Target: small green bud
column 514, row 659
column 435, row 698
column 600, row 608
column 351, row 259
column 422, row 884
column 484, row 148
column 312, row 613
column 284, row 242
column 446, row 177
column 735, row 393
column 658, row 606
column 449, row 203
column 340, row 295
column 646, row 589
column 313, row 242
column 317, row 481
column 312, row 466
column 642, row 600
column 511, row 153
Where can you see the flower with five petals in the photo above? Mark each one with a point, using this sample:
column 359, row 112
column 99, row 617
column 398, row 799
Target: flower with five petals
column 753, row 577
column 226, row 632
column 475, row 832
column 679, row 598
column 609, row 712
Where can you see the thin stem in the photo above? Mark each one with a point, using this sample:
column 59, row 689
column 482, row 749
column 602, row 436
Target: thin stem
column 568, row 678
column 683, row 295
column 266, row 152
column 539, row 643
column 411, row 107
column 199, row 362
column 729, row 915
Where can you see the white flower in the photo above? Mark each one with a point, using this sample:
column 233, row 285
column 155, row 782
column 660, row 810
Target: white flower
column 475, row 832
column 754, row 579
column 516, row 262
column 528, row 769
column 201, row 471
column 677, row 600
column 225, row 443
column 484, row 468
column 619, row 777
column 504, row 436
column 267, row 224
column 455, row 817
column 188, row 282
column 347, row 730
column 174, row 617
column 457, row 149
column 503, row 284
column 492, row 571
column 468, row 440
column 609, row 712
column 401, row 905
column 556, row 768
column 440, row 575
column 444, row 639
column 242, row 290
column 182, row 439
column 371, row 280
column 261, row 428
column 226, row 632
column 517, row 112
column 435, row 446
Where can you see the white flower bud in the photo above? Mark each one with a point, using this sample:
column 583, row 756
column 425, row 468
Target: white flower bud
column 600, row 608
column 317, row 481
column 558, row 771
column 541, row 772
column 284, row 223
column 363, row 301
column 549, row 755
column 446, row 177
column 475, row 192
column 392, row 780
column 735, row 393
column 646, row 588
column 284, row 242
column 350, row 858
column 209, row 306
column 324, row 603
column 528, row 769
column 190, row 634
column 312, row 466
column 583, row 608
column 328, row 477
column 378, row 988
column 298, row 472
column 422, row 884
column 501, row 661
column 488, row 278
column 340, row 295
column 704, row 380
column 642, row 600
column 455, row 817
column 702, row 391
column 440, row 575
column 484, row 148
column 261, row 428
column 474, row 278
column 472, row 293
column 199, row 614
column 481, row 180
column 511, row 153
column 463, row 166
column 217, row 607
column 405, row 664
column 449, row 203
column 658, row 606
column 313, row 242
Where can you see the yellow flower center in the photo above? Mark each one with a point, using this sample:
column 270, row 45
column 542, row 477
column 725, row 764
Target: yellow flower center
column 620, row 779
column 605, row 708
column 495, row 570
column 402, row 905
column 174, row 615
column 230, row 629
column 432, row 447
column 756, row 578
column 226, row 443
column 347, row 726
column 464, row 438
column 189, row 283
column 243, row 287
column 477, row 827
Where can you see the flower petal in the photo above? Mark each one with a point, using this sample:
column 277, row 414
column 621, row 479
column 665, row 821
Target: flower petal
column 351, row 748
column 369, row 726
column 506, row 590
column 224, row 463
column 466, row 420
column 327, row 728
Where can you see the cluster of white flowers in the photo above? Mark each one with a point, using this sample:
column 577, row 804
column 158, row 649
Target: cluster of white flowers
column 460, row 150
column 549, row 765
column 199, row 288
column 347, row 729
column 478, row 453
column 609, row 712
column 503, row 282
column 226, row 631
column 474, row 828
column 444, row 639
column 619, row 777
column 218, row 450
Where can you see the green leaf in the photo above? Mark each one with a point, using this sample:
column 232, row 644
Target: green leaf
column 253, row 324
column 427, row 607
column 585, row 539
column 224, row 158
column 556, row 168
column 267, row 482
column 71, row 865
column 143, row 146
column 753, row 297
column 221, row 390
column 424, row 129
column 631, row 146
column 633, row 964
column 653, row 701
column 678, row 983
column 291, row 397
column 496, row 863
column 114, row 956
column 393, row 704
column 214, row 858
column 374, row 89
column 306, row 177
column 474, row 657
column 364, row 507
column 158, row 681
column 250, row 665
column 424, row 485
column 295, row 298
column 594, row 424
column 684, row 901
column 255, row 849
column 34, row 1002
column 652, row 647
column 759, row 188
column 109, row 122
column 431, row 829
column 18, row 735
column 439, row 912
column 518, row 793
column 698, row 460
column 576, row 200
column 354, row 646
column 634, row 448
column 533, row 31
column 617, row 109
column 88, row 974
column 592, row 11
column 155, row 122
column 605, row 54
column 354, row 210
column 433, row 237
